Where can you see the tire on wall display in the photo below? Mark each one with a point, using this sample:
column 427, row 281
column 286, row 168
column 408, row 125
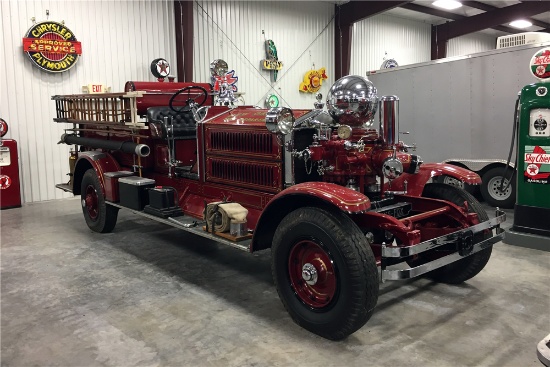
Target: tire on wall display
column 99, row 216
column 491, row 187
column 325, row 272
column 468, row 267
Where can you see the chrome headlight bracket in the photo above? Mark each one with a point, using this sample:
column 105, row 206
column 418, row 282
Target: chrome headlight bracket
column 280, row 120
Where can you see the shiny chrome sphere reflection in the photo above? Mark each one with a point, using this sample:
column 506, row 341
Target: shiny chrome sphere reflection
column 218, row 67
column 352, row 100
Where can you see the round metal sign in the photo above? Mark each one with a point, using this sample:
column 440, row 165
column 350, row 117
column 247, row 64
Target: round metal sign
column 3, row 127
column 540, row 64
column 272, row 101
column 52, row 46
column 160, row 68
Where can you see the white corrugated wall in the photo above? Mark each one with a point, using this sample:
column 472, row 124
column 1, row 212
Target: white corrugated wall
column 470, row 43
column 119, row 41
column 406, row 41
column 303, row 33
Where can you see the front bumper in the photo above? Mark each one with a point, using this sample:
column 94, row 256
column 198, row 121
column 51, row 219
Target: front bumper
column 464, row 240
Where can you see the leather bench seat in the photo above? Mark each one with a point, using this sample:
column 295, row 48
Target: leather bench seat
column 184, row 126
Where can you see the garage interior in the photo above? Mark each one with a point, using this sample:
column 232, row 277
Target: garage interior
column 149, row 294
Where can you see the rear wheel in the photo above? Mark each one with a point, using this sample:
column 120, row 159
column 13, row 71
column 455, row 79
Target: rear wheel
column 99, row 216
column 325, row 272
column 470, row 266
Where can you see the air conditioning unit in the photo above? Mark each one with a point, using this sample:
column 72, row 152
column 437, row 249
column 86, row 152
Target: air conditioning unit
column 521, row 39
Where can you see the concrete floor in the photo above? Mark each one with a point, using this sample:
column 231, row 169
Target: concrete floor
column 150, row 295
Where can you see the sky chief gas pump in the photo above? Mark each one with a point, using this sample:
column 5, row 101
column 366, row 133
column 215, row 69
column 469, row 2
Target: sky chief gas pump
column 532, row 209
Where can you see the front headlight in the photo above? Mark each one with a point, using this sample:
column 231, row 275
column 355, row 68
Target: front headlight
column 279, row 120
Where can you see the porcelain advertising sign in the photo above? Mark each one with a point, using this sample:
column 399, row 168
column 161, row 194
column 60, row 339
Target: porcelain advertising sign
column 52, row 46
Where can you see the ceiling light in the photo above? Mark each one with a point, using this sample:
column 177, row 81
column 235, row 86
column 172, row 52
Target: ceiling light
column 521, row 24
column 447, row 4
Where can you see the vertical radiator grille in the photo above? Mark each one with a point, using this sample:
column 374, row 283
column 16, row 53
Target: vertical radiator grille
column 251, row 142
column 264, row 176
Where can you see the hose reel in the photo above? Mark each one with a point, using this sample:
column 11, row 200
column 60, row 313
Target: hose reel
column 219, row 215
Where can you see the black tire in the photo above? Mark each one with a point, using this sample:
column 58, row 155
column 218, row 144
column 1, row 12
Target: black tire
column 99, row 216
column 344, row 297
column 450, row 180
column 490, row 188
column 464, row 269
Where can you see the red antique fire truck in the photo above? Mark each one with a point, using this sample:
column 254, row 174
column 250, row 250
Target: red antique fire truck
column 337, row 201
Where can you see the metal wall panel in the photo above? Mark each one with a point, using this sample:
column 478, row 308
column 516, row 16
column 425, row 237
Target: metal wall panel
column 303, row 33
column 119, row 41
column 470, row 43
column 405, row 40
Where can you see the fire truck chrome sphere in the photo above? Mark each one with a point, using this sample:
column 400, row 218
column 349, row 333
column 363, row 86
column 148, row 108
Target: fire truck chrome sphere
column 352, row 100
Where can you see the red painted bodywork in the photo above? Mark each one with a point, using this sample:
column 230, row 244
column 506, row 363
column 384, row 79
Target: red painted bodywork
column 235, row 158
column 416, row 182
column 341, row 197
column 100, row 163
column 159, row 93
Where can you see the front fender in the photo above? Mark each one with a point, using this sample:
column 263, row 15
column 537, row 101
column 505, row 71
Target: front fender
column 417, row 181
column 308, row 194
column 100, row 162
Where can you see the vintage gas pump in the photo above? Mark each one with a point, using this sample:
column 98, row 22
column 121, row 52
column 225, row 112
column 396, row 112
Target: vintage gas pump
column 10, row 194
column 532, row 209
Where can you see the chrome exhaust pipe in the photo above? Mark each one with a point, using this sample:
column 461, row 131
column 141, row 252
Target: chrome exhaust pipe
column 389, row 119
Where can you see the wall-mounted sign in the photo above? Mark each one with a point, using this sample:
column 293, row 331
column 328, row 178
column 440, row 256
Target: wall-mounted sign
column 95, row 88
column 51, row 46
column 160, row 68
column 224, row 82
column 540, row 64
column 313, row 81
column 3, row 127
column 272, row 61
column 389, row 64
column 272, row 101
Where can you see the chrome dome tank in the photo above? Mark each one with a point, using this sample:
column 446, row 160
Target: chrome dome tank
column 353, row 100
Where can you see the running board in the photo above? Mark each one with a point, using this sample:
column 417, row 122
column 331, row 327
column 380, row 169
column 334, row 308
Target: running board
column 191, row 225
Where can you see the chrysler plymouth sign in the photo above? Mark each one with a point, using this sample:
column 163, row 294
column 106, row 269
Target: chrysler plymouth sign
column 52, row 46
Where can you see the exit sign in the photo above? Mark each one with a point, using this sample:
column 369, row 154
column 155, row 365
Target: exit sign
column 95, row 88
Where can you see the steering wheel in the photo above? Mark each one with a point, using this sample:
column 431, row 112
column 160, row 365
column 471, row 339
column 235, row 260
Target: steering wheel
column 179, row 101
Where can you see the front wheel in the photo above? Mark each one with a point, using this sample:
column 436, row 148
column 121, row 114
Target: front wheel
column 325, row 272
column 468, row 267
column 99, row 216
column 450, row 180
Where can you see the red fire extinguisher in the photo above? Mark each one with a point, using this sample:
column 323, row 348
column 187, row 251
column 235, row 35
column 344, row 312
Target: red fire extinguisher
column 10, row 192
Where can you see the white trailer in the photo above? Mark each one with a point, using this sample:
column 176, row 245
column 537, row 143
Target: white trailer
column 460, row 110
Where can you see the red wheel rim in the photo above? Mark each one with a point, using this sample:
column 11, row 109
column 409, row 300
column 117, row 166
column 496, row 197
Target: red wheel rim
column 91, row 202
column 312, row 274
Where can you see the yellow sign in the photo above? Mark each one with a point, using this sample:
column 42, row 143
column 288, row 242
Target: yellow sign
column 272, row 65
column 313, row 81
